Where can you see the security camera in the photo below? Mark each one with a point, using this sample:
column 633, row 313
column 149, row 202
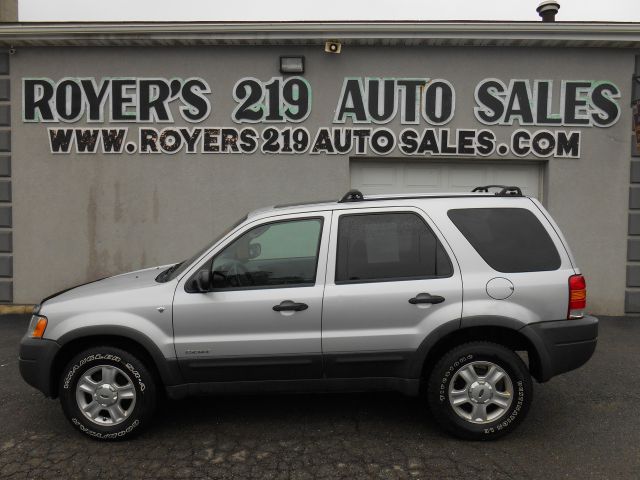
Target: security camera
column 332, row 47
column 12, row 51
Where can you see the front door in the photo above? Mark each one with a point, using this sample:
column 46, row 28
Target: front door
column 262, row 318
column 391, row 280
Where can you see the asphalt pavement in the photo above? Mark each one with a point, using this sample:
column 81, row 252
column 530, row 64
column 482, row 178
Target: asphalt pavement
column 582, row 425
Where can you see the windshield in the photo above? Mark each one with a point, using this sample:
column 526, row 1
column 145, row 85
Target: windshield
column 176, row 270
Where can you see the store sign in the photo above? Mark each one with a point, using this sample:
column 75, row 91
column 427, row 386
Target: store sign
column 373, row 116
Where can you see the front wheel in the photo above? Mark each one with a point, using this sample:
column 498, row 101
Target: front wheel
column 480, row 391
column 107, row 393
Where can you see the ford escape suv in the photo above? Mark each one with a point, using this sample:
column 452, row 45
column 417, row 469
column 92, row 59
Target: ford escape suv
column 462, row 298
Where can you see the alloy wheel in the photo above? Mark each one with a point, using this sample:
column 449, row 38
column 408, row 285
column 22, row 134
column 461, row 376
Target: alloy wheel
column 105, row 395
column 481, row 392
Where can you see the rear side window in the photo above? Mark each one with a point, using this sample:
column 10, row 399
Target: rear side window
column 508, row 239
column 388, row 246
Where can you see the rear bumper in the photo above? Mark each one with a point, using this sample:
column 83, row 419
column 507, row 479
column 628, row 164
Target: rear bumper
column 36, row 361
column 562, row 345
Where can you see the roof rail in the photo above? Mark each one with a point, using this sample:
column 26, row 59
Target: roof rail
column 352, row 196
column 505, row 191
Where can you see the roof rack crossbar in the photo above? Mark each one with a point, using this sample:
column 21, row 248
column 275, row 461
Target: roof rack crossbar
column 352, row 196
column 504, row 190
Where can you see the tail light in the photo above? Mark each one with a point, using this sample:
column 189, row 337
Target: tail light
column 577, row 296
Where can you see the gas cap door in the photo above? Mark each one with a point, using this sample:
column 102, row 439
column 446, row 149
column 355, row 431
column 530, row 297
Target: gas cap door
column 499, row 288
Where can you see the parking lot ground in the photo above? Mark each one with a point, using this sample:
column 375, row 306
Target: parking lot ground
column 582, row 425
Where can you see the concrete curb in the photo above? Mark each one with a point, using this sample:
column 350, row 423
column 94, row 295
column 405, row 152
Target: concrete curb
column 13, row 309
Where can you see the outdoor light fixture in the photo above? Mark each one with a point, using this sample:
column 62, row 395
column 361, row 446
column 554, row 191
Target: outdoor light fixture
column 332, row 46
column 291, row 64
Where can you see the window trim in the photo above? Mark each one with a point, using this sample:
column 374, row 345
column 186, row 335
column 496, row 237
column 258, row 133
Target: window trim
column 389, row 279
column 209, row 261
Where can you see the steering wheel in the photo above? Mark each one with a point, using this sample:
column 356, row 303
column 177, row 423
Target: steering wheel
column 236, row 270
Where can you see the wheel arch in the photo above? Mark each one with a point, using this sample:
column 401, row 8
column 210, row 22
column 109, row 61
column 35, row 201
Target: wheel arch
column 164, row 370
column 502, row 330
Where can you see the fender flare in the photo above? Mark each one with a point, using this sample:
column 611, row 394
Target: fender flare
column 415, row 369
column 542, row 361
column 167, row 368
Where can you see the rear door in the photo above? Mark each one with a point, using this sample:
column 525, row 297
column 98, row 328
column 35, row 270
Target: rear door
column 391, row 280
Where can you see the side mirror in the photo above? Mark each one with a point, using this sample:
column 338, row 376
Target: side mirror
column 218, row 280
column 255, row 249
column 202, row 281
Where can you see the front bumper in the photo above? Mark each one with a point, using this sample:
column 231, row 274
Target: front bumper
column 36, row 361
column 562, row 345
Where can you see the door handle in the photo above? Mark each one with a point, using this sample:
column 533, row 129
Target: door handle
column 289, row 306
column 426, row 298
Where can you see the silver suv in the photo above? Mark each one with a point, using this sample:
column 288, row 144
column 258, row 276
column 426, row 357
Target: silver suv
column 462, row 298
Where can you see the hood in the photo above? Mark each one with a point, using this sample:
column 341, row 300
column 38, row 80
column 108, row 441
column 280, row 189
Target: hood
column 123, row 282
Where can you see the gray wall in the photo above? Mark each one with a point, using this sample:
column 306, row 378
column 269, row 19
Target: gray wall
column 80, row 217
column 9, row 11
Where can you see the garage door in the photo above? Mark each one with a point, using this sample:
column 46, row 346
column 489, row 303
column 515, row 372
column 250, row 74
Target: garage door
column 376, row 177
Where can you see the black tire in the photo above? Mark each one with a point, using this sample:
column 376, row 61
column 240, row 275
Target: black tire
column 455, row 360
column 140, row 411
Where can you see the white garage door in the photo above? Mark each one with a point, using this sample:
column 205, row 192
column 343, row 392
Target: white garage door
column 375, row 177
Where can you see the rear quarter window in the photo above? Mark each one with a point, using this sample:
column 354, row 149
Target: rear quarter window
column 509, row 239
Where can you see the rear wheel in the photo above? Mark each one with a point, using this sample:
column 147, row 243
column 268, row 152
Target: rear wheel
column 107, row 393
column 480, row 391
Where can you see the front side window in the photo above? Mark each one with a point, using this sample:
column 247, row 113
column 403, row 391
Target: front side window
column 279, row 254
column 388, row 246
column 508, row 239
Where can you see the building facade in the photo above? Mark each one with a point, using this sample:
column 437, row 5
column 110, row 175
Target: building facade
column 127, row 146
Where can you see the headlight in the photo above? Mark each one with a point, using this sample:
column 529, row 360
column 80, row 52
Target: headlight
column 37, row 325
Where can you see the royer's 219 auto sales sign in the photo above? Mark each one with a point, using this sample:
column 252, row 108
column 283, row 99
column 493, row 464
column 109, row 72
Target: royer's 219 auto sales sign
column 363, row 109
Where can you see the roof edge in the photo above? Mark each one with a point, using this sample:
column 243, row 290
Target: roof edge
column 585, row 34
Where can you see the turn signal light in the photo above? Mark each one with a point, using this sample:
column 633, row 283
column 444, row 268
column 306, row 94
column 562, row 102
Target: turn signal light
column 37, row 326
column 577, row 296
